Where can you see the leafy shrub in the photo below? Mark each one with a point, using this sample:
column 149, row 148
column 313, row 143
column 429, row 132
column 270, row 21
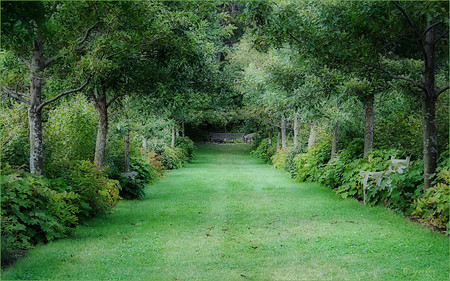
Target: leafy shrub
column 98, row 194
column 14, row 146
column 70, row 134
column 187, row 145
column 279, row 158
column 309, row 165
column 294, row 151
column 146, row 168
column 433, row 207
column 263, row 150
column 32, row 212
column 173, row 158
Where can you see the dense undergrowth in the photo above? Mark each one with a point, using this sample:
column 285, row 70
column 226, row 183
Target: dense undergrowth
column 402, row 192
column 38, row 209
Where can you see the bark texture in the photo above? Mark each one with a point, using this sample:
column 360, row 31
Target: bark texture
column 102, row 130
column 369, row 124
column 270, row 138
column 278, row 138
column 283, row 132
column 312, row 135
column 172, row 142
column 34, row 109
column 335, row 141
column 126, row 149
column 296, row 129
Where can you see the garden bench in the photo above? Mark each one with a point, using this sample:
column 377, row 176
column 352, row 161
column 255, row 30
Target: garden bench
column 396, row 166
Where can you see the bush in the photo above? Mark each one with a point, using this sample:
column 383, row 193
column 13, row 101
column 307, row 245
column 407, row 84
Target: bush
column 279, row 158
column 309, row 165
column 187, row 145
column 147, row 168
column 32, row 212
column 98, row 194
column 433, row 207
column 69, row 134
column 262, row 150
column 14, row 144
column 294, row 151
column 173, row 158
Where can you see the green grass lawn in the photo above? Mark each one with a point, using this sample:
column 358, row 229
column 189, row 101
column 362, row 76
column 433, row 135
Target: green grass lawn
column 226, row 216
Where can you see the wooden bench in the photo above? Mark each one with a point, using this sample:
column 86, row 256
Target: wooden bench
column 396, row 166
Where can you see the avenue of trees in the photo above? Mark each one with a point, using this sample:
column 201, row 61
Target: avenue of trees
column 120, row 87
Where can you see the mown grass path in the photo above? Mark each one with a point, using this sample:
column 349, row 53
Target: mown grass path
column 227, row 217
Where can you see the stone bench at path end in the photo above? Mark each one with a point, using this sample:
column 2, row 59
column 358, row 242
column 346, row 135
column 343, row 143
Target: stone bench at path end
column 396, row 166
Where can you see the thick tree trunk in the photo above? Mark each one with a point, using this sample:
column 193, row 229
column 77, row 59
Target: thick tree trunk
column 312, row 135
column 296, row 129
column 335, row 140
column 270, row 138
column 34, row 112
column 126, row 149
column 368, row 129
column 283, row 132
column 177, row 133
column 278, row 138
column 429, row 98
column 102, row 129
column 172, row 143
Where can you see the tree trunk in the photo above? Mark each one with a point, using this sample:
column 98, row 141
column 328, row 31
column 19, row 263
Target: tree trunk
column 144, row 144
column 283, row 132
column 34, row 112
column 177, row 133
column 126, row 149
column 429, row 98
column 182, row 129
column 368, row 129
column 335, row 140
column 278, row 138
column 270, row 138
column 296, row 129
column 102, row 129
column 312, row 135
column 172, row 143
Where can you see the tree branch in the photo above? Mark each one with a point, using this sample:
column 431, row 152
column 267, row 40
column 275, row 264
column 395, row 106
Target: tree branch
column 86, row 35
column 64, row 94
column 444, row 34
column 15, row 94
column 432, row 26
column 441, row 90
column 411, row 23
column 114, row 99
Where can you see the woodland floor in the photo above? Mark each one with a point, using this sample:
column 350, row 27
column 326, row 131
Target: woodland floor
column 227, row 217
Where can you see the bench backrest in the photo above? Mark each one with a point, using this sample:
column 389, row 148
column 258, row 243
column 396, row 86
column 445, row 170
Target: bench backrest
column 398, row 165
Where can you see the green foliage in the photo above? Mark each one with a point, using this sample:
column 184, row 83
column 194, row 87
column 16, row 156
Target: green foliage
column 187, row 145
column 279, row 158
column 70, row 133
column 293, row 152
column 14, row 146
column 145, row 169
column 98, row 194
column 262, row 150
column 33, row 212
column 174, row 158
column 309, row 165
column 433, row 207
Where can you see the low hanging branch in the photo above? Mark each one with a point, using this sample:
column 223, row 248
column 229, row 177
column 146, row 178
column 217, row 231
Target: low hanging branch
column 64, row 94
column 22, row 97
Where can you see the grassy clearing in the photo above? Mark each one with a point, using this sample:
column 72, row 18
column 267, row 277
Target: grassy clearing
column 225, row 216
